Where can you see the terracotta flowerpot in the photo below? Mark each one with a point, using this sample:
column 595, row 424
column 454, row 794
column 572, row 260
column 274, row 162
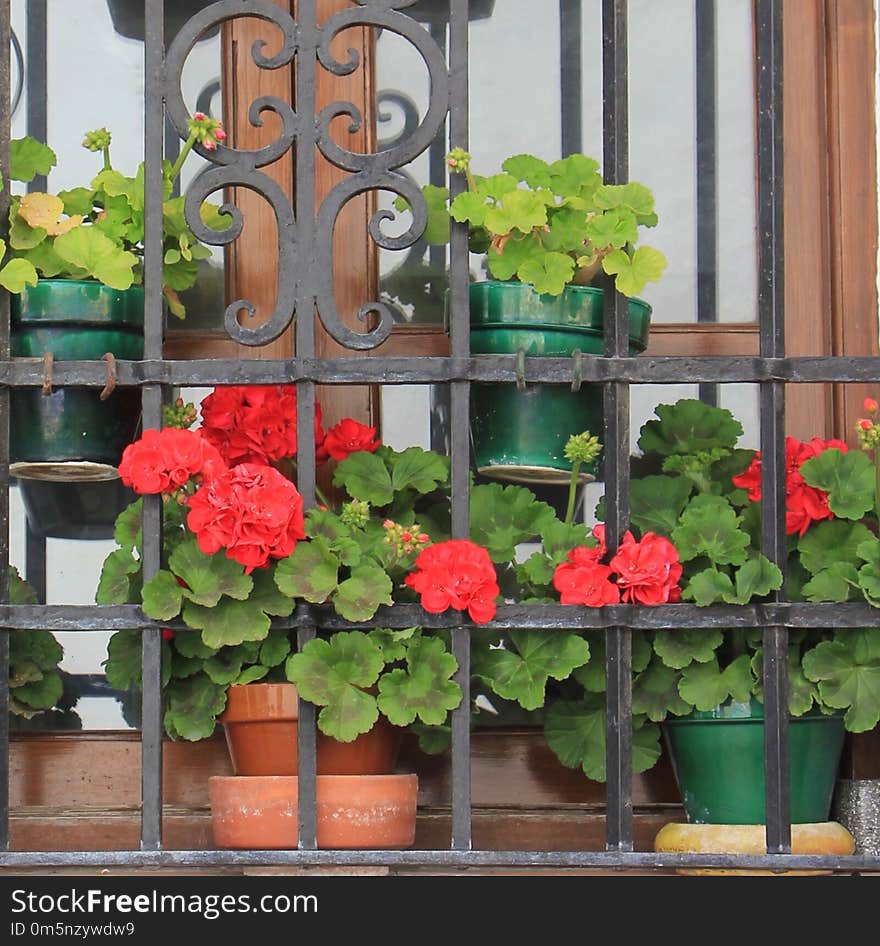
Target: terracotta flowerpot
column 354, row 811
column 260, row 722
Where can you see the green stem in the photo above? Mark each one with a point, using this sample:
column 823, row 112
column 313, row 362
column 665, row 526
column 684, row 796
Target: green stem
column 107, row 165
column 184, row 153
column 321, row 496
column 877, row 483
column 572, row 492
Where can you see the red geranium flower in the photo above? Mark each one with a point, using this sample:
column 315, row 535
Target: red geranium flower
column 582, row 579
column 252, row 511
column 647, row 571
column 348, row 436
column 457, row 574
column 804, row 504
column 164, row 460
column 254, row 424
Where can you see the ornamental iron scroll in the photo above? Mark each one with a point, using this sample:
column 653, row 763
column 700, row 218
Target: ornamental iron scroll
column 305, row 235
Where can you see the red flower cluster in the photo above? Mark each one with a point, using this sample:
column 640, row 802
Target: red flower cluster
column 647, row 572
column 252, row 511
column 457, row 574
column 348, row 436
column 254, row 424
column 803, row 503
column 164, row 460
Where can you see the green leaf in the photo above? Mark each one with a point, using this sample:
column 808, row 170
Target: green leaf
column 635, row 272
column 519, row 210
column 128, row 530
column 41, row 694
column 266, row 596
column 123, row 663
column 658, row 501
column 275, row 648
column 225, row 666
column 17, row 274
column 80, row 200
column 689, row 426
column 549, row 273
column 116, row 184
column 558, row 538
column 433, row 739
column 568, row 231
column 515, row 252
column 208, row 577
column 98, row 255
column 469, row 207
column 848, row 478
column 393, row 644
column 333, row 674
column 310, row 572
column 524, row 167
column 190, row 644
column 678, row 649
column 46, row 261
column 591, row 676
column 181, row 275
column 655, row 693
column 705, row 686
column 437, row 230
column 633, row 195
column 22, row 236
column 228, row 623
column 832, row 584
column 116, row 585
column 252, row 674
column 613, row 228
column 575, row 175
column 28, row 158
column 575, row 731
column 802, row 693
column 832, row 542
column 710, row 526
column 358, row 597
column 425, row 689
column 365, row 476
column 758, row 577
column 520, row 671
column 192, row 707
column 418, row 469
column 504, row 516
column 37, row 647
column 869, row 574
column 707, row 587
column 162, row 596
column 847, row 670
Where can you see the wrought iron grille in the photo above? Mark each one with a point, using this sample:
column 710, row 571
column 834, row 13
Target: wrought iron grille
column 305, row 237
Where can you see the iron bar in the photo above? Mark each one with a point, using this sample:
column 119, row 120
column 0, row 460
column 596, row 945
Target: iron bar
column 618, row 640
column 36, row 82
column 570, row 75
column 460, row 400
column 416, row 369
column 645, row 860
column 5, row 348
column 707, row 173
column 771, row 315
column 35, row 561
column 152, row 396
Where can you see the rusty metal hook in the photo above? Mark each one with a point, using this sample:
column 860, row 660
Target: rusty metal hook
column 110, row 386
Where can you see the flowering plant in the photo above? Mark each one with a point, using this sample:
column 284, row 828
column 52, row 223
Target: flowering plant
column 694, row 493
column 97, row 231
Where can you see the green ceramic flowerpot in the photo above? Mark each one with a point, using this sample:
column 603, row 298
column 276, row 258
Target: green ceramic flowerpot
column 718, row 758
column 76, row 321
column 520, row 435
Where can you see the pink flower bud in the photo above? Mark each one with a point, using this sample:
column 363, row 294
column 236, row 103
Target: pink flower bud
column 387, row 524
column 870, row 405
column 424, row 538
column 406, row 537
column 209, row 144
column 865, row 424
column 220, row 134
column 199, row 116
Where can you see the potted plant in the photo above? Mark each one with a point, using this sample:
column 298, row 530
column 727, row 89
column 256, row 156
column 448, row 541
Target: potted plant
column 695, row 500
column 547, row 230
column 74, row 264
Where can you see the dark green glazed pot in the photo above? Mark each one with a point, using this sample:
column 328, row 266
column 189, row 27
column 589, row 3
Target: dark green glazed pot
column 718, row 758
column 76, row 321
column 520, row 435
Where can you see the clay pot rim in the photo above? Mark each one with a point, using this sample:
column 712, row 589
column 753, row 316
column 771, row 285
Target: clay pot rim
column 322, row 779
column 246, row 702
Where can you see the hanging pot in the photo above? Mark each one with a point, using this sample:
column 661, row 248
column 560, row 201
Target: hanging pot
column 519, row 433
column 74, row 510
column 718, row 759
column 70, row 433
